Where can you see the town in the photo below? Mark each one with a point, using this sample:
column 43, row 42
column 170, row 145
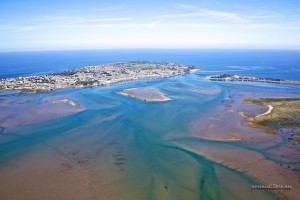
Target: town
column 95, row 76
column 228, row 77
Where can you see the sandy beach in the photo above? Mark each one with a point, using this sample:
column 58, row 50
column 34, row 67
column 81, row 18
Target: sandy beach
column 267, row 112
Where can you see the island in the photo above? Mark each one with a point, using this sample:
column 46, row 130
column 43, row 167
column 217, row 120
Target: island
column 95, row 76
column 281, row 113
column 150, row 94
column 228, row 77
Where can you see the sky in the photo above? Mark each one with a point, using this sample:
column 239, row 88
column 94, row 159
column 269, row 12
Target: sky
column 193, row 24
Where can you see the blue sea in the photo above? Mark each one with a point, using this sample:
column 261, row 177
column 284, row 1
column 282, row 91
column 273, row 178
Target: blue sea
column 283, row 64
column 119, row 147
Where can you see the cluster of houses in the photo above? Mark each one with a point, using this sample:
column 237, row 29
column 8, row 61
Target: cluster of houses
column 228, row 77
column 94, row 76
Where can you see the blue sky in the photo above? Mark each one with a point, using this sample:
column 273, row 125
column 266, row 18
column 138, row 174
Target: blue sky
column 73, row 24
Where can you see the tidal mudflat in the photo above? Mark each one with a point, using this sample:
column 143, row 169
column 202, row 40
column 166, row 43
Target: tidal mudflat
column 266, row 157
column 16, row 111
column 111, row 146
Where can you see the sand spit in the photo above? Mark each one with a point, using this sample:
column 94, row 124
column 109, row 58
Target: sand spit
column 150, row 94
column 268, row 111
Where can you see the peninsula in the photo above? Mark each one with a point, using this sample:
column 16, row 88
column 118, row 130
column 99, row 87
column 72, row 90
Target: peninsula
column 228, row 77
column 95, row 76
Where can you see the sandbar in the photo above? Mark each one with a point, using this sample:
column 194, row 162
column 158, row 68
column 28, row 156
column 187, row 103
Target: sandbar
column 149, row 94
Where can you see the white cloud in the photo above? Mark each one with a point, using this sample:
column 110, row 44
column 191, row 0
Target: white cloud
column 57, row 22
column 79, row 20
column 228, row 16
column 189, row 25
column 154, row 24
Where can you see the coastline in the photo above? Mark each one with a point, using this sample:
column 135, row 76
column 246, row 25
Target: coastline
column 120, row 147
column 99, row 75
column 275, row 165
column 281, row 113
column 228, row 77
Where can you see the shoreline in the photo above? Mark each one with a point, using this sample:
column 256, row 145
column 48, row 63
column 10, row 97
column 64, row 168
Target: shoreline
column 267, row 112
column 98, row 75
column 282, row 113
column 236, row 78
column 274, row 166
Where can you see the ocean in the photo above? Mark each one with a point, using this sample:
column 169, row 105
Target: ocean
column 192, row 147
column 282, row 63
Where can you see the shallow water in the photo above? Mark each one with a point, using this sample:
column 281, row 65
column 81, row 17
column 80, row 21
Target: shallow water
column 124, row 148
column 119, row 147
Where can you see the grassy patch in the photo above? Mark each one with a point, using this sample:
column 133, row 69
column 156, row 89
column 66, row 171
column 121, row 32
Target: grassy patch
column 264, row 101
column 285, row 113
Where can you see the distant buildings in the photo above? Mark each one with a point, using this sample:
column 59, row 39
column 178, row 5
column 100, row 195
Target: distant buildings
column 94, row 76
column 227, row 77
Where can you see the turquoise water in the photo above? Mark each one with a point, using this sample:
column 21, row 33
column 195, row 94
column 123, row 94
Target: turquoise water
column 123, row 148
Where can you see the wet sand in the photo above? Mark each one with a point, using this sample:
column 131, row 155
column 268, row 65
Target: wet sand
column 120, row 148
column 27, row 110
column 108, row 154
column 265, row 157
column 149, row 94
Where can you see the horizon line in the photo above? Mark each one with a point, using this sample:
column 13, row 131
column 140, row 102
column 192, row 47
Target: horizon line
column 154, row 48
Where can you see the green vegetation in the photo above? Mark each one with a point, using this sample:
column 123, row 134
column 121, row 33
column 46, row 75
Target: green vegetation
column 94, row 75
column 295, row 137
column 65, row 73
column 285, row 113
column 265, row 101
column 35, row 90
column 86, row 83
column 271, row 125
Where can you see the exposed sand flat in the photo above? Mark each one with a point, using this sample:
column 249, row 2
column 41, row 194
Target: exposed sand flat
column 105, row 153
column 225, row 125
column 233, row 139
column 275, row 165
column 253, row 164
column 18, row 112
column 70, row 102
column 49, row 175
column 150, row 94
